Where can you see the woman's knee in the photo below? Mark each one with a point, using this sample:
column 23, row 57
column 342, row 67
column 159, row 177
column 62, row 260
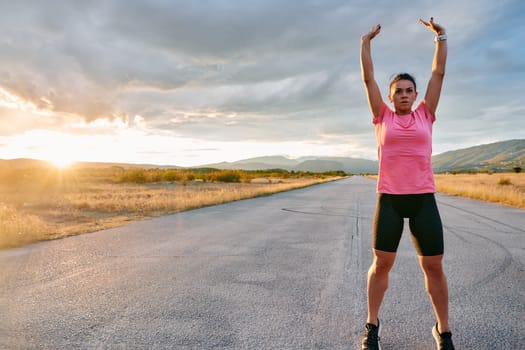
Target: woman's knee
column 432, row 266
column 383, row 262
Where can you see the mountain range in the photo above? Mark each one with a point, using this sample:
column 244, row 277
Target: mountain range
column 313, row 164
column 496, row 157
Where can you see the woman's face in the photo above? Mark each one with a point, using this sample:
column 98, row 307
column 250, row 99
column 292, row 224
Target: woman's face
column 403, row 95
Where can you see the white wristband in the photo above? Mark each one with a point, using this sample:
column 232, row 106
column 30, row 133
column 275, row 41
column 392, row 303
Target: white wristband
column 441, row 37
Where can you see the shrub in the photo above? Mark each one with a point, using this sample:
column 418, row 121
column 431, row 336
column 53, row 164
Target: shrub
column 504, row 181
column 172, row 175
column 246, row 178
column 155, row 175
column 225, row 176
column 134, row 176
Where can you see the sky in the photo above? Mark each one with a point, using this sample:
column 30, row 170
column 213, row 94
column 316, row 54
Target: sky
column 195, row 82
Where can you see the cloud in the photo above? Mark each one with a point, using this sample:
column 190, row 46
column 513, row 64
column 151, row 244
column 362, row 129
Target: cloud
column 262, row 71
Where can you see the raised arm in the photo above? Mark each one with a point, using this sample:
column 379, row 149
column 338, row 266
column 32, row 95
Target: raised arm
column 373, row 92
column 438, row 65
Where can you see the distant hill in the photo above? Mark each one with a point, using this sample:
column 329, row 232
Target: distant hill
column 319, row 165
column 27, row 163
column 349, row 165
column 276, row 161
column 22, row 163
column 257, row 163
column 497, row 157
column 313, row 164
column 93, row 165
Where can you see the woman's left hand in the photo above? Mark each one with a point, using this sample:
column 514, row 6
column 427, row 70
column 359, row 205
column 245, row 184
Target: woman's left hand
column 436, row 28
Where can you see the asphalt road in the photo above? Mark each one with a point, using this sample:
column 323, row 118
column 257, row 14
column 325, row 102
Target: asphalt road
column 287, row 271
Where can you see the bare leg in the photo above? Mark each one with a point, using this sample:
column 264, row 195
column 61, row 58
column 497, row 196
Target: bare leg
column 378, row 282
column 436, row 286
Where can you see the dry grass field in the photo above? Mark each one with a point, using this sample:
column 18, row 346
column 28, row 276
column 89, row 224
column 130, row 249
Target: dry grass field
column 39, row 204
column 503, row 188
column 43, row 204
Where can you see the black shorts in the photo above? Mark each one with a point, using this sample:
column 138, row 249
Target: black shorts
column 424, row 221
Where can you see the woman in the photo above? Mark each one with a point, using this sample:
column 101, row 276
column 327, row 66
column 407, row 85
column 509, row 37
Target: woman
column 406, row 185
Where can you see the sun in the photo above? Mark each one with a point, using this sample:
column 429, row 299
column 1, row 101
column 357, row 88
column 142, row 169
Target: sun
column 61, row 162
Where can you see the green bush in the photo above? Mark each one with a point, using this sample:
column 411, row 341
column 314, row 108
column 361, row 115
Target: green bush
column 225, row 176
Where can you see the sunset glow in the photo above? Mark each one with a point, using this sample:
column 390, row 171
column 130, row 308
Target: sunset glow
column 123, row 147
column 61, row 163
column 154, row 88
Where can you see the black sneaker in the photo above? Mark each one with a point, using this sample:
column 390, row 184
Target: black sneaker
column 371, row 339
column 443, row 340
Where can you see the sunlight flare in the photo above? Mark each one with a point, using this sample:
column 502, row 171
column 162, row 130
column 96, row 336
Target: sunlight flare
column 61, row 162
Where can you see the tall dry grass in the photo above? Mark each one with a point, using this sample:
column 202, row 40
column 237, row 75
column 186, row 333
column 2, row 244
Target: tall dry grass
column 503, row 188
column 41, row 205
column 19, row 228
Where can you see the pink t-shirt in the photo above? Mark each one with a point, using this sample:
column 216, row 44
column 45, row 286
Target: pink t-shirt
column 404, row 150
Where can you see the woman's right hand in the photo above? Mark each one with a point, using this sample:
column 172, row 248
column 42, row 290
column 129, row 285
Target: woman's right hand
column 372, row 34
